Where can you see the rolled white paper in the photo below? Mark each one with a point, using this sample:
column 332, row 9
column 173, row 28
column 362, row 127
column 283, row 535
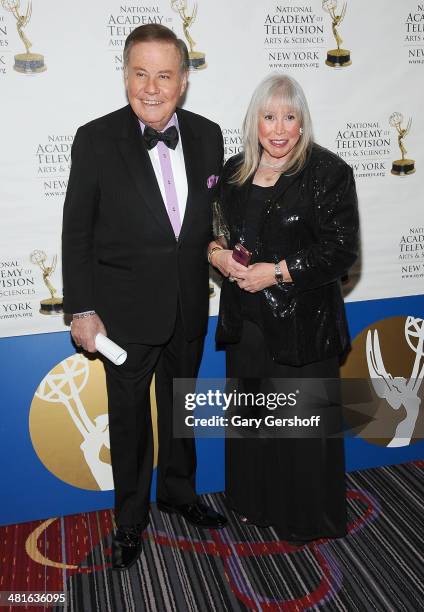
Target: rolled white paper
column 110, row 350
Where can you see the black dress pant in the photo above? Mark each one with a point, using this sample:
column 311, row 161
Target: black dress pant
column 295, row 484
column 130, row 427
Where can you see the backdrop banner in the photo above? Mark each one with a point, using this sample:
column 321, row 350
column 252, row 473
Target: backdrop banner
column 61, row 66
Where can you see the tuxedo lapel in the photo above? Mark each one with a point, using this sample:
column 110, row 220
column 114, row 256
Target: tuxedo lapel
column 192, row 161
column 137, row 159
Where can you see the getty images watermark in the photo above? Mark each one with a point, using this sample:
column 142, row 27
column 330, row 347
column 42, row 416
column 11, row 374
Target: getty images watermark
column 234, row 399
column 250, row 407
column 297, row 408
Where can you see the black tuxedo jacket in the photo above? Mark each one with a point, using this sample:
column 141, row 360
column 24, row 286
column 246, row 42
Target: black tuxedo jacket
column 120, row 255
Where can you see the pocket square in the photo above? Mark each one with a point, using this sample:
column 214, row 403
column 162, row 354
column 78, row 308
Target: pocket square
column 212, row 181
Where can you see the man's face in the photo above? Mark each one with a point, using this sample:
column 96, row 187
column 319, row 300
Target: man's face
column 154, row 81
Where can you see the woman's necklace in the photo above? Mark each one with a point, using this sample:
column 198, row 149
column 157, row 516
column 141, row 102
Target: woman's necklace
column 275, row 167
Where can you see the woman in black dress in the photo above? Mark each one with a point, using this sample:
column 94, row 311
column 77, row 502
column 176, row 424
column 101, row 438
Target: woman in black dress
column 293, row 205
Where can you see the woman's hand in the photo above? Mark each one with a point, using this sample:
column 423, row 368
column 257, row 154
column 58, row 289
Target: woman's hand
column 261, row 275
column 258, row 276
column 223, row 260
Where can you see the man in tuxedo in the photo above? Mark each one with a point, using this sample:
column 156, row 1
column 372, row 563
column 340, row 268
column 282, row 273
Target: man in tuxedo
column 137, row 222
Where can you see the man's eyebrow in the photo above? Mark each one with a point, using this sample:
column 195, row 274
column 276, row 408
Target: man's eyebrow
column 167, row 71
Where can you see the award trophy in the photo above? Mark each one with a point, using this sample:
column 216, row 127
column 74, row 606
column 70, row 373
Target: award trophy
column 51, row 305
column 403, row 166
column 398, row 391
column 27, row 63
column 336, row 58
column 197, row 59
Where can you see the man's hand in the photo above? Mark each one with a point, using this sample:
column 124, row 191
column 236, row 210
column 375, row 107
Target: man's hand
column 85, row 330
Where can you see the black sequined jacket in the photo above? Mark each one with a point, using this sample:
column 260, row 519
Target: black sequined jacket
column 312, row 222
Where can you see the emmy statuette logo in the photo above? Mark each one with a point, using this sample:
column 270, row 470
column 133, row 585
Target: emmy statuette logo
column 336, row 58
column 53, row 304
column 26, row 63
column 389, row 356
column 401, row 167
column 197, row 59
column 398, row 391
column 64, row 386
column 69, row 423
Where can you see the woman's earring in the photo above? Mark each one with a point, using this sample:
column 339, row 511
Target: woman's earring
column 300, row 131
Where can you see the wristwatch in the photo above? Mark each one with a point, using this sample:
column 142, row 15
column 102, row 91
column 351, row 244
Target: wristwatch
column 278, row 274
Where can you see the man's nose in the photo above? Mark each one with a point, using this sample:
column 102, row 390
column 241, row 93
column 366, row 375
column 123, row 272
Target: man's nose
column 151, row 86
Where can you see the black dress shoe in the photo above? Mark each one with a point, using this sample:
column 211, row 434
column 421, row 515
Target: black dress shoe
column 197, row 514
column 127, row 545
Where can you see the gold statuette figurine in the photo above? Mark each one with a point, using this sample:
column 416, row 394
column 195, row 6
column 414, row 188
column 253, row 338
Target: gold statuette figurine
column 197, row 59
column 53, row 304
column 27, row 63
column 403, row 166
column 336, row 58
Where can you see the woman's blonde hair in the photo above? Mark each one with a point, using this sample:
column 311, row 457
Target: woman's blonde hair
column 290, row 94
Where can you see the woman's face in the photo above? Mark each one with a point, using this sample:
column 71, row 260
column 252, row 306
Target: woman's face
column 278, row 130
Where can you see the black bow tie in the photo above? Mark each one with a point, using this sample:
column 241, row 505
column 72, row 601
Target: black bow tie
column 152, row 137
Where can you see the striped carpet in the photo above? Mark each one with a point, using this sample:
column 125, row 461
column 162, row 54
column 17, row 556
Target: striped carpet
column 378, row 566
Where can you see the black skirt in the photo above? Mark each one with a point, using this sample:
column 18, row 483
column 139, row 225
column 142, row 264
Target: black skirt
column 295, row 484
